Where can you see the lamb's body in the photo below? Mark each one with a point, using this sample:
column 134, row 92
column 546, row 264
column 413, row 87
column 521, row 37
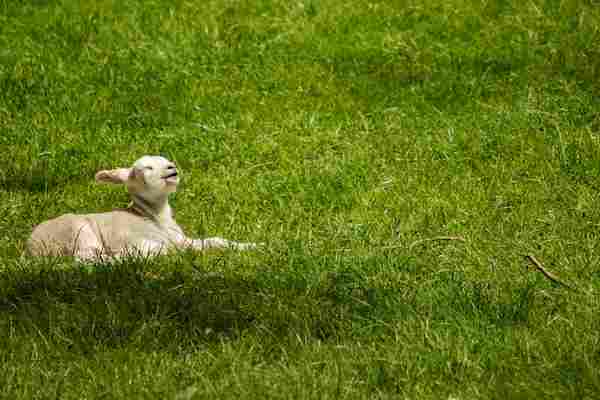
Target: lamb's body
column 146, row 228
column 106, row 234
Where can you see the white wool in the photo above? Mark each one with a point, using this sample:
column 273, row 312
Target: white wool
column 145, row 228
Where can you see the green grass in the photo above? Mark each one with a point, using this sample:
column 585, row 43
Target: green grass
column 345, row 135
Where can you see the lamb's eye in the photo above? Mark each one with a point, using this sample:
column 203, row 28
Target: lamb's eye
column 149, row 168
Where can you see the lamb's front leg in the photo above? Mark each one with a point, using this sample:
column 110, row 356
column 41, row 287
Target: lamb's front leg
column 219, row 243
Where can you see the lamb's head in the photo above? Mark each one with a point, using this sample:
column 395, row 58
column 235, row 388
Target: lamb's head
column 150, row 177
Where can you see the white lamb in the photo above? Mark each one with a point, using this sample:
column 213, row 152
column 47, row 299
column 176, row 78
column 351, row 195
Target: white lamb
column 145, row 228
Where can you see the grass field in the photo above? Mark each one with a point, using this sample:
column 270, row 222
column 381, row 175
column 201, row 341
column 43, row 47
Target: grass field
column 354, row 138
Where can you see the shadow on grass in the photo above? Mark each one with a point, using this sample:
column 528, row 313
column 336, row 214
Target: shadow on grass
column 145, row 306
column 116, row 305
column 152, row 308
column 41, row 174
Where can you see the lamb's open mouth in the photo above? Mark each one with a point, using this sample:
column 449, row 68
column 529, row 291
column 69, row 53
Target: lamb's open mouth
column 171, row 175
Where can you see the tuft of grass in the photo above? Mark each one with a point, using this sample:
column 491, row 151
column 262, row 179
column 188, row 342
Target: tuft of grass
column 347, row 136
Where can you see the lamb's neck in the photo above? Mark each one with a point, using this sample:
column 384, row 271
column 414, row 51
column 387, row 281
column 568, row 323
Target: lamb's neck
column 158, row 211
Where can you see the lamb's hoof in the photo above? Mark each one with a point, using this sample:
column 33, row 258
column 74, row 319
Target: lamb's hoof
column 249, row 246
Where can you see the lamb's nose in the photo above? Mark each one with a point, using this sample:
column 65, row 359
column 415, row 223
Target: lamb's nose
column 172, row 166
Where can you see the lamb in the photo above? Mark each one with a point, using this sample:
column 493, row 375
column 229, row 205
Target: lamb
column 146, row 228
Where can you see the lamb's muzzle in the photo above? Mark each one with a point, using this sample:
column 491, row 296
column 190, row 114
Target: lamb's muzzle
column 145, row 228
column 171, row 175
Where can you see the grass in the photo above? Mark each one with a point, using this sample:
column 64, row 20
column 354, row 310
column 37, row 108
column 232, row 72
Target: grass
column 348, row 136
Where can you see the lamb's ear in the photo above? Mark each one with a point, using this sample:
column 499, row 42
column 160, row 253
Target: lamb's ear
column 117, row 176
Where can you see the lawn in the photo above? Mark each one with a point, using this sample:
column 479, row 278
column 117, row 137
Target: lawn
column 399, row 159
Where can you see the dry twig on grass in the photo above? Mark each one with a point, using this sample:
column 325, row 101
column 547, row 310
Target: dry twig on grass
column 538, row 265
column 437, row 238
